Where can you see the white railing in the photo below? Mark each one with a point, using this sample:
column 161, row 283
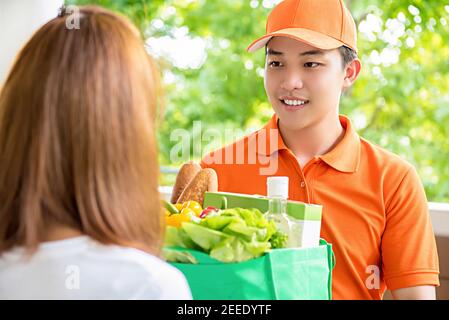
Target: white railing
column 165, row 192
column 439, row 213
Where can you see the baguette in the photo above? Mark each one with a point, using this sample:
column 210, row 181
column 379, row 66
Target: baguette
column 205, row 180
column 186, row 174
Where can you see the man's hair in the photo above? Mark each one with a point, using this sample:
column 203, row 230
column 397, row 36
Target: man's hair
column 347, row 54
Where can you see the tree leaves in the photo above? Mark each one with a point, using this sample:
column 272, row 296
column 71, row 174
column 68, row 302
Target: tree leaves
column 400, row 101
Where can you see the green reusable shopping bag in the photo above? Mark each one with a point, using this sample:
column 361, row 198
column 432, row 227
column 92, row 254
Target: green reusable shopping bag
column 280, row 274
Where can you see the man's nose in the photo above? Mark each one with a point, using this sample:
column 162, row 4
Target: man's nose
column 292, row 80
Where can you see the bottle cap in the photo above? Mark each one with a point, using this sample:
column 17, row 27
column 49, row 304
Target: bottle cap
column 277, row 187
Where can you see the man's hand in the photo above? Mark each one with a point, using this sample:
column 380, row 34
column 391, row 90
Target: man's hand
column 415, row 293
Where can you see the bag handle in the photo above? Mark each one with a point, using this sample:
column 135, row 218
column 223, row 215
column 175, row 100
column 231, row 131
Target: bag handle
column 224, row 203
column 331, row 255
column 329, row 246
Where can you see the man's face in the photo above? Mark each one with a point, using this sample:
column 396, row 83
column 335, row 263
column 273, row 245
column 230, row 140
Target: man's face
column 303, row 83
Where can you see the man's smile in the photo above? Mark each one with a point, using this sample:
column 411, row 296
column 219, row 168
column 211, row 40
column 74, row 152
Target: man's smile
column 293, row 103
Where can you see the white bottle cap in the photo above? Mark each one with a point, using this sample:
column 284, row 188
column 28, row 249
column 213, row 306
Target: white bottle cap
column 277, row 187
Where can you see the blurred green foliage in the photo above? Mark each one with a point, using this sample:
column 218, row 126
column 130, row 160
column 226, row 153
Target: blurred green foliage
column 400, row 101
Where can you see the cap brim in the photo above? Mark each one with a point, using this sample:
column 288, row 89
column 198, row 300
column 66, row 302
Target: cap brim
column 315, row 39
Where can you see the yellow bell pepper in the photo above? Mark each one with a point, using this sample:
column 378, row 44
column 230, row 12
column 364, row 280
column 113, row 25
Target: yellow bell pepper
column 176, row 219
column 194, row 206
column 187, row 210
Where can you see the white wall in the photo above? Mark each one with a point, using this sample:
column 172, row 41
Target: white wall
column 19, row 19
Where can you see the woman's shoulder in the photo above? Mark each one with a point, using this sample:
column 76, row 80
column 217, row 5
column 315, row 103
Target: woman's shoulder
column 148, row 271
column 106, row 271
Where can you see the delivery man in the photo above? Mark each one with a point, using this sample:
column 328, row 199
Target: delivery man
column 374, row 207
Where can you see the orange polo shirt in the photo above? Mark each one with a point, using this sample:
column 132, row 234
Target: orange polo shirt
column 375, row 210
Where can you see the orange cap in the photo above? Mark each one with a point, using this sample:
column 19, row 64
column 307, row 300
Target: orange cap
column 324, row 24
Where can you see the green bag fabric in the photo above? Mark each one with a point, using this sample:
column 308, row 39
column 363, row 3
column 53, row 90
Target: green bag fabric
column 281, row 274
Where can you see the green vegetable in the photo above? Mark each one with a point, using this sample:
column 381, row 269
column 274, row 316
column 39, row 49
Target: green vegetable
column 203, row 237
column 218, row 222
column 231, row 250
column 177, row 237
column 178, row 256
column 231, row 235
column 279, row 240
column 170, row 207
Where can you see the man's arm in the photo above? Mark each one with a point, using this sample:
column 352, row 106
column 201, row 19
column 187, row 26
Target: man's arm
column 415, row 293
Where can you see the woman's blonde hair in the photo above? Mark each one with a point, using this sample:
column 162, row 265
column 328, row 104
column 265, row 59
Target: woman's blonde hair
column 77, row 135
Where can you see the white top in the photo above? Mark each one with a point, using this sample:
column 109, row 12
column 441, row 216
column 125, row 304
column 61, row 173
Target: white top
column 81, row 268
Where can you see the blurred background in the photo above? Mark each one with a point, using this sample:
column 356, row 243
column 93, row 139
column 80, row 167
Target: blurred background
column 400, row 101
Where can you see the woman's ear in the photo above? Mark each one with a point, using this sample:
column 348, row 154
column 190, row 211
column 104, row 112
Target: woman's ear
column 351, row 71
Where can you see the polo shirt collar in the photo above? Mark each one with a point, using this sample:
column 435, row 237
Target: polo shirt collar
column 344, row 157
column 271, row 130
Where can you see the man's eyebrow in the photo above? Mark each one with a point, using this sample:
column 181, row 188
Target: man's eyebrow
column 272, row 52
column 312, row 53
column 302, row 54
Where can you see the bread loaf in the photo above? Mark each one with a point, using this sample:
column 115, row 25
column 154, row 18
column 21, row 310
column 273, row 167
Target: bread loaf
column 186, row 174
column 205, row 180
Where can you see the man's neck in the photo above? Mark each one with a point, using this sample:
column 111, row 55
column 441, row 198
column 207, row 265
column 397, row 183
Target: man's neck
column 312, row 141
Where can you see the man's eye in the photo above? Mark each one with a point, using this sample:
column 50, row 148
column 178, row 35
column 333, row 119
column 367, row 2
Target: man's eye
column 311, row 64
column 274, row 64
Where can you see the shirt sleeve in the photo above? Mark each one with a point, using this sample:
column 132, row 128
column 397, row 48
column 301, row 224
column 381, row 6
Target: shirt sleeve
column 409, row 253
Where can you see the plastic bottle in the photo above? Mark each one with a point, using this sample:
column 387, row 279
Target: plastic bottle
column 277, row 192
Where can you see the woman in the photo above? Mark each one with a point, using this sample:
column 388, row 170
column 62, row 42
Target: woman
column 80, row 212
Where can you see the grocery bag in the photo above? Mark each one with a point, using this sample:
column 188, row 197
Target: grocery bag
column 280, row 274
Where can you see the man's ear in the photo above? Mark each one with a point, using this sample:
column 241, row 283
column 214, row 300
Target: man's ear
column 352, row 71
